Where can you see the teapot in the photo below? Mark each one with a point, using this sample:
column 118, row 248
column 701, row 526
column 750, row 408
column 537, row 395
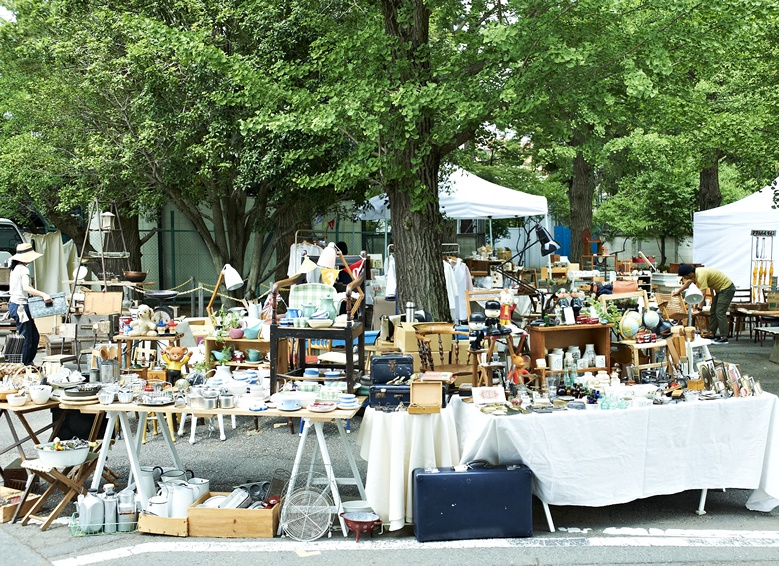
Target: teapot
column 308, row 309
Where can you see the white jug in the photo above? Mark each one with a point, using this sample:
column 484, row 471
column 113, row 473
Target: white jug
column 180, row 496
column 148, row 480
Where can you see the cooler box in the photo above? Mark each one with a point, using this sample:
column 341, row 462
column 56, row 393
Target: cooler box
column 480, row 502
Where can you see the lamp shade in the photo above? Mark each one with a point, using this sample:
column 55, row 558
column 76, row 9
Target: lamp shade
column 232, row 278
column 327, row 257
column 693, row 295
column 548, row 244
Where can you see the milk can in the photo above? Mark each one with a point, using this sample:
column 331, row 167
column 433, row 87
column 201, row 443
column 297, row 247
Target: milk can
column 110, row 505
column 126, row 511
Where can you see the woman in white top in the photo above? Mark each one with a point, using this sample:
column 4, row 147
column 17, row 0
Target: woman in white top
column 20, row 290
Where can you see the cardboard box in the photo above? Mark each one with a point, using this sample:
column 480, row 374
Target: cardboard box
column 425, row 397
column 162, row 525
column 406, row 338
column 232, row 523
column 7, row 510
column 772, row 298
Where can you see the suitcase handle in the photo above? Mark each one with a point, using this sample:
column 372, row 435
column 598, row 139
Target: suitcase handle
column 479, row 464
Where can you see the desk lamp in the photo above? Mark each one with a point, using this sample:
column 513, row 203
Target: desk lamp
column 232, row 280
column 692, row 296
column 548, row 246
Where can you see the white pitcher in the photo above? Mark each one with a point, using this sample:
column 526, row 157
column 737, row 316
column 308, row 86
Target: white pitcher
column 180, row 496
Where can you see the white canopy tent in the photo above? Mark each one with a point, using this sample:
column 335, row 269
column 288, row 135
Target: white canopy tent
column 722, row 237
column 467, row 196
column 470, row 197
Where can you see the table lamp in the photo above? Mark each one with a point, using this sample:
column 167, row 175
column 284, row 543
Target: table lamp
column 232, row 280
column 692, row 296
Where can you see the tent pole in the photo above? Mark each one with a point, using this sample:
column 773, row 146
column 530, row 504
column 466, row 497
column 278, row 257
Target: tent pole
column 492, row 242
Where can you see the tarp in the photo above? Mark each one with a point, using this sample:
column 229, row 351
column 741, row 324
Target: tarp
column 470, row 197
column 722, row 237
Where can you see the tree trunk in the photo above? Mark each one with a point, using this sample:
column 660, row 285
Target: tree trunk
column 580, row 194
column 709, row 195
column 418, row 259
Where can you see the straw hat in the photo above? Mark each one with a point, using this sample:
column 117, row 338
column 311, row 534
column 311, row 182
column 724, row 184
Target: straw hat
column 25, row 253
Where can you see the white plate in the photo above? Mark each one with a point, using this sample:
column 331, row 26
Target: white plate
column 320, row 407
column 213, row 501
column 289, row 410
column 348, row 407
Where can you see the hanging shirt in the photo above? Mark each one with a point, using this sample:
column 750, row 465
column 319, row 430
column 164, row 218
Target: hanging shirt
column 462, row 277
column 451, row 289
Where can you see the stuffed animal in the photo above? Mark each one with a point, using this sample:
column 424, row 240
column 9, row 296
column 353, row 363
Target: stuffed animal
column 144, row 324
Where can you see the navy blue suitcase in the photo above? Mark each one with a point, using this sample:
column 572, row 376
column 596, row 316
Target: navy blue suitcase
column 481, row 502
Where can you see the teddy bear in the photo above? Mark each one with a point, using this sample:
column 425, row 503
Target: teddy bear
column 144, row 324
column 175, row 357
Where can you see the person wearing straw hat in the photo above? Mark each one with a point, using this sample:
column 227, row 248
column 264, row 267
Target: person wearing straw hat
column 20, row 290
column 724, row 289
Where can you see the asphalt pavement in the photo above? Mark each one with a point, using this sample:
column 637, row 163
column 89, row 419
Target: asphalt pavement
column 657, row 530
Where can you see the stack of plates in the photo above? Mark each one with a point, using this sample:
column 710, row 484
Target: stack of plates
column 81, row 400
column 322, row 406
column 348, row 401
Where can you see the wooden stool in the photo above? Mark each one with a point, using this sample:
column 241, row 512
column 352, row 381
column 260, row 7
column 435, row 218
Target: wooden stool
column 70, row 481
column 152, row 417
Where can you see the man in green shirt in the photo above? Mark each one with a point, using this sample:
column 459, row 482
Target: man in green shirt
column 724, row 289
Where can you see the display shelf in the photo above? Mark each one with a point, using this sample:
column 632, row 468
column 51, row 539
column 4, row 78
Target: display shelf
column 263, row 346
column 351, row 334
column 544, row 339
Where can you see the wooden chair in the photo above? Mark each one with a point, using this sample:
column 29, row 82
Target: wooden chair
column 431, row 338
column 672, row 307
column 738, row 321
column 70, row 481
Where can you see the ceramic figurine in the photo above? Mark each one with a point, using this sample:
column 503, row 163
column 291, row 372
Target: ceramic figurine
column 476, row 334
column 507, row 306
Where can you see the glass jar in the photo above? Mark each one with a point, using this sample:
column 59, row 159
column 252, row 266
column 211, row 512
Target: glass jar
column 589, row 354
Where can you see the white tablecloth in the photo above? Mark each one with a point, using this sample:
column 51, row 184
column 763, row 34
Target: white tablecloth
column 597, row 458
column 394, row 444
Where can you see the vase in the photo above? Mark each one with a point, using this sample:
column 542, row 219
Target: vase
column 236, row 333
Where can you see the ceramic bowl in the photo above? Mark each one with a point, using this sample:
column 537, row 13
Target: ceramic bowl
column 17, row 399
column 40, row 394
column 106, row 397
column 125, row 396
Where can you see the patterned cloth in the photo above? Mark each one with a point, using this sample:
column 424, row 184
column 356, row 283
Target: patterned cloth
column 309, row 293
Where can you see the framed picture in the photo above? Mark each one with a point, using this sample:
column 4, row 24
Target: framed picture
column 487, row 395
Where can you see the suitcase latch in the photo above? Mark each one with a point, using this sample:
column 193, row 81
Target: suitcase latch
column 391, row 365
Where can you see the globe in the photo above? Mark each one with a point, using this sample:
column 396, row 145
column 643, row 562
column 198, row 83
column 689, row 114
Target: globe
column 630, row 324
column 651, row 319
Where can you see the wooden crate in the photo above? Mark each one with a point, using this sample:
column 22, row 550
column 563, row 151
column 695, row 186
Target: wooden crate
column 162, row 525
column 7, row 510
column 232, row 523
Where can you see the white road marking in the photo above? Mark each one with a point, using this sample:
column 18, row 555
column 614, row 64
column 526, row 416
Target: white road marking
column 611, row 537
